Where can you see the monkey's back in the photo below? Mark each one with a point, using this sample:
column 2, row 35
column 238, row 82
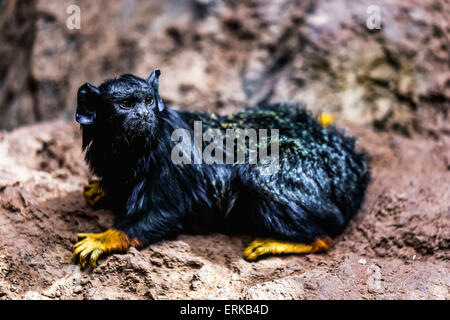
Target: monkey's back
column 320, row 183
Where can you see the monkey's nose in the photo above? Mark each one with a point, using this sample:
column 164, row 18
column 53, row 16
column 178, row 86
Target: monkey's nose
column 143, row 113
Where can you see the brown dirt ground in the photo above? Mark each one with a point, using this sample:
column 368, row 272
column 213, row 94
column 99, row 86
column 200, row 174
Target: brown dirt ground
column 397, row 247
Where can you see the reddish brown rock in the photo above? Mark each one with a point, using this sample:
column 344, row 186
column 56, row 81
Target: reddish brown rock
column 225, row 55
column 396, row 248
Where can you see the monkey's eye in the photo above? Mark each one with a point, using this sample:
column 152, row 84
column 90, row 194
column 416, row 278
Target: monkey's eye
column 126, row 105
column 149, row 100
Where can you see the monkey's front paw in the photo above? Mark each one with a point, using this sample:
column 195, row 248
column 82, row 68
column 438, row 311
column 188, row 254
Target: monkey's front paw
column 95, row 245
column 94, row 193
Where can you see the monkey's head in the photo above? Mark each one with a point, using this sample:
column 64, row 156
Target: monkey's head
column 126, row 106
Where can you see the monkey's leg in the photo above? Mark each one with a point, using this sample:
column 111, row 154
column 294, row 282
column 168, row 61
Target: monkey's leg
column 260, row 247
column 94, row 193
column 94, row 245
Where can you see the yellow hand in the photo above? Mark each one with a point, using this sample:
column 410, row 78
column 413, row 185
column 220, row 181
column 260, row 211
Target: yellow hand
column 94, row 245
column 94, row 193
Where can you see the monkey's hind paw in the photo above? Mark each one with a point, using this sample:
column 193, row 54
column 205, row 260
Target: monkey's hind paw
column 260, row 247
column 94, row 193
column 94, row 245
column 325, row 119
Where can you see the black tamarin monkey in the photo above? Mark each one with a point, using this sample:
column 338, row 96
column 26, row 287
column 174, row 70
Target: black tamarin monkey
column 127, row 134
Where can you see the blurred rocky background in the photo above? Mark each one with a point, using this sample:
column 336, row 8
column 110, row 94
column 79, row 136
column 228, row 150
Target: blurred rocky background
column 389, row 86
column 223, row 55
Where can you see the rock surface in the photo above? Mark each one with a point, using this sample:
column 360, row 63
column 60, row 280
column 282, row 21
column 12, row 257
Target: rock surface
column 397, row 247
column 219, row 55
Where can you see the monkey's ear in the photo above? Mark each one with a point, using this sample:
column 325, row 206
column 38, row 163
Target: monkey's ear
column 88, row 99
column 153, row 79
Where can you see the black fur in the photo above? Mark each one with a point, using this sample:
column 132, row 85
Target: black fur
column 320, row 184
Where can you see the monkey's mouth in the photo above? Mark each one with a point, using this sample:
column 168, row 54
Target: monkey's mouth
column 136, row 128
